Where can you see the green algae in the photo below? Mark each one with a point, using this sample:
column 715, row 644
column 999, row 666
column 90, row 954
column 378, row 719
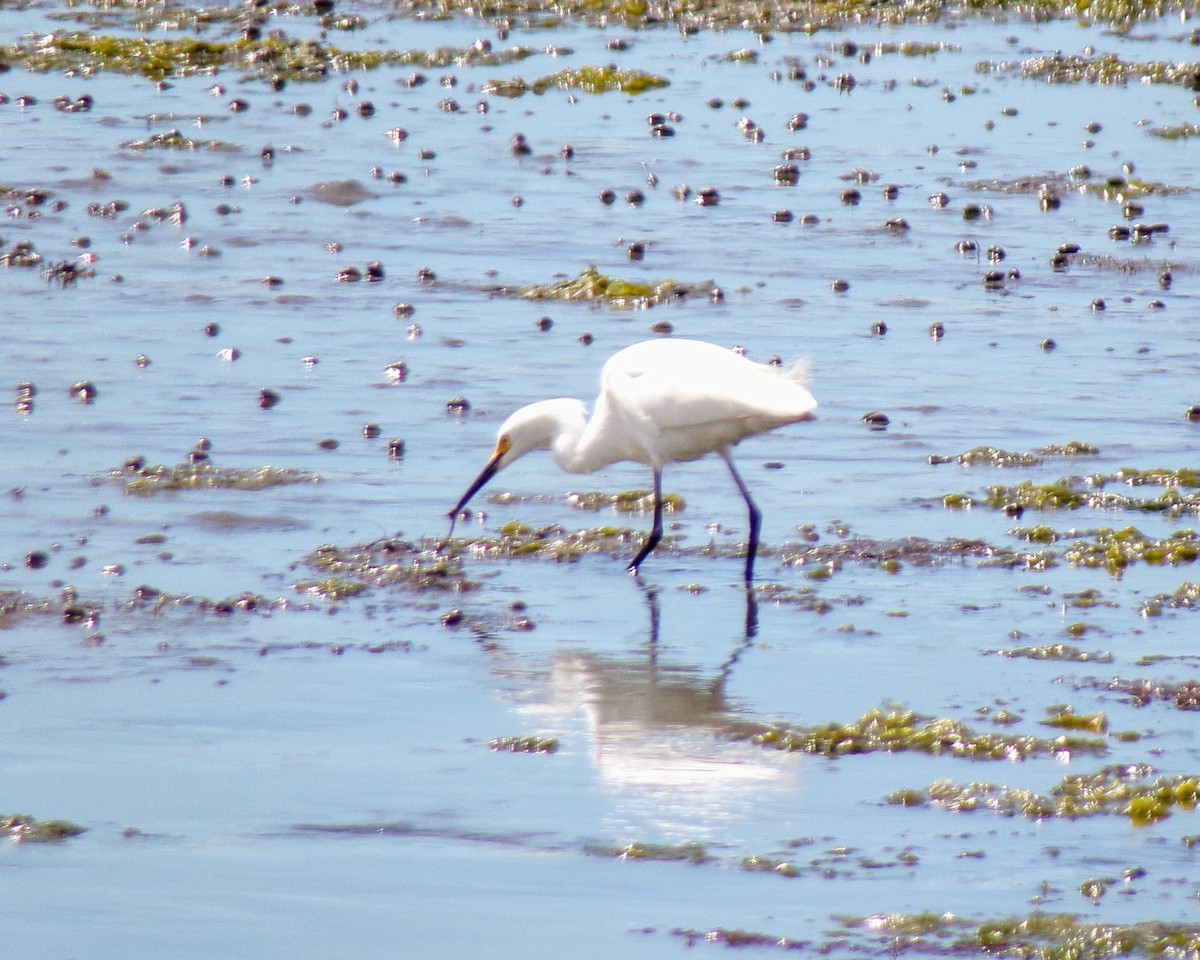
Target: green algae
column 898, row 731
column 1120, row 790
column 694, row 853
column 1114, row 550
column 1057, row 652
column 763, row 864
column 1064, row 717
column 1180, row 494
column 1181, row 694
column 883, row 554
column 331, row 588
column 389, row 563
column 806, row 16
column 1103, row 68
column 524, row 745
column 1036, row 936
column 151, row 600
column 737, row 938
column 552, row 542
column 1183, row 131
column 203, row 475
column 588, row 79
column 592, row 285
column 272, row 57
column 996, row 457
column 21, row 828
column 804, row 598
column 1185, row 597
column 174, row 140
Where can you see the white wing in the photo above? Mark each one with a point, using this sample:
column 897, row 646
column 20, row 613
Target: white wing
column 680, row 399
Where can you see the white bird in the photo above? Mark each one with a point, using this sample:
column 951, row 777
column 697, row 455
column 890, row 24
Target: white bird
column 661, row 401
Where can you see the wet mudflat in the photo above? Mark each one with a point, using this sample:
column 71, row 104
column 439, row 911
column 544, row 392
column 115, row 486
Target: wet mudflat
column 268, row 298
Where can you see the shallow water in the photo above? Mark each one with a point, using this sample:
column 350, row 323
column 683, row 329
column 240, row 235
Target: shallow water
column 314, row 777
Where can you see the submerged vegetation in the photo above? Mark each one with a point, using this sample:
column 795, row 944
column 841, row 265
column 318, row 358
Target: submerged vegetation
column 141, row 480
column 269, row 58
column 1059, row 652
column 1180, row 493
column 896, row 731
column 694, row 853
column 385, row 563
column 1121, row 790
column 1181, row 694
column 804, row 15
column 25, row 829
column 1101, row 68
column 592, row 285
column 1034, row 936
column 996, row 457
column 588, row 79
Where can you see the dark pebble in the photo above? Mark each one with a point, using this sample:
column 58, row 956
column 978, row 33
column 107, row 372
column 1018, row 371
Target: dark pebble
column 84, row 391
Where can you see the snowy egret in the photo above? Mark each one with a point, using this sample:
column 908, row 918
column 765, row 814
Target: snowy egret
column 661, row 401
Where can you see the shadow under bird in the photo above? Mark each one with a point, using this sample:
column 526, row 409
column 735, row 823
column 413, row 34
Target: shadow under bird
column 660, row 402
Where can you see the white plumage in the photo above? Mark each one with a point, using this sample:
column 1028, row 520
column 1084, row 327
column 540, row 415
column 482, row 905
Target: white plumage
column 660, row 402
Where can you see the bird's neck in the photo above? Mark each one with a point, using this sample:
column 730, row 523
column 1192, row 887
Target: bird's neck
column 570, row 452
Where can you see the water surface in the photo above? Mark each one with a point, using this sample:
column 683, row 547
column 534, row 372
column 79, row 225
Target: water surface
column 312, row 777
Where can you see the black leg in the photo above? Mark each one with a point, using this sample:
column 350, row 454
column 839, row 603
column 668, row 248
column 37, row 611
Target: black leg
column 755, row 518
column 655, row 530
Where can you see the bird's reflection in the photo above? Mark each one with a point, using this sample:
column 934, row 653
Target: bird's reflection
column 657, row 731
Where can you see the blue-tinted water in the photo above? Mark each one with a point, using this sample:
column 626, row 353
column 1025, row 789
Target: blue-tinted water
column 294, row 793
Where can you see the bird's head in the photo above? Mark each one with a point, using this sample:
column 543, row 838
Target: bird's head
column 534, row 427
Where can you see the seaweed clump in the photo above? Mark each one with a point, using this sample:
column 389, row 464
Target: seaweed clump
column 688, row 852
column 1058, row 652
column 1036, row 936
column 1182, row 695
column 1105, row 68
column 273, row 57
column 896, row 731
column 1119, row 790
column 997, row 457
column 592, row 285
column 202, row 475
column 383, row 563
column 807, row 16
column 21, row 828
column 1179, row 494
column 588, row 79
